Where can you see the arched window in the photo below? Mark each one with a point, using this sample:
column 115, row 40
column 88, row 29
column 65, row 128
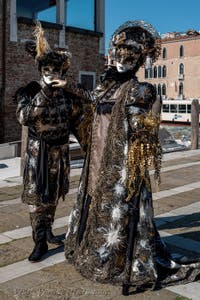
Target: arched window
column 164, row 71
column 181, row 89
column 164, row 89
column 181, row 69
column 159, row 71
column 159, row 90
column 181, row 51
column 164, row 53
column 155, row 72
column 151, row 73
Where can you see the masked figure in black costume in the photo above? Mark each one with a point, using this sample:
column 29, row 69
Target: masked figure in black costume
column 51, row 111
column 112, row 235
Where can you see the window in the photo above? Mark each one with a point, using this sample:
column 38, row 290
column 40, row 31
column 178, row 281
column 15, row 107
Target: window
column 165, row 107
column 43, row 10
column 173, row 108
column 159, row 90
column 164, row 71
column 182, row 108
column 189, row 108
column 155, row 72
column 159, row 71
column 164, row 53
column 181, row 51
column 150, row 73
column 80, row 14
column 181, row 69
column 48, row 14
column 164, row 89
column 87, row 79
column 181, row 89
column 145, row 73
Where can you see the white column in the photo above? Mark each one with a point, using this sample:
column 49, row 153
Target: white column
column 100, row 23
column 60, row 18
column 13, row 21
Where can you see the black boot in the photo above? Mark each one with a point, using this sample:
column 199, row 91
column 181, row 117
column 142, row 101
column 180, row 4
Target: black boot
column 38, row 251
column 52, row 239
column 41, row 246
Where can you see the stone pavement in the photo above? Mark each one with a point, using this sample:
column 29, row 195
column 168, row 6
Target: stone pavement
column 177, row 211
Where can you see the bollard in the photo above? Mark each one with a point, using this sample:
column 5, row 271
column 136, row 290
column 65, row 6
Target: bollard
column 194, row 124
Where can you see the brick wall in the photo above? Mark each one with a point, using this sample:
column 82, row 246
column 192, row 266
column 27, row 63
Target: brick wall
column 21, row 68
column 3, row 44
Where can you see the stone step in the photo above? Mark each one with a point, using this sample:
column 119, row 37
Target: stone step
column 193, row 208
column 56, row 256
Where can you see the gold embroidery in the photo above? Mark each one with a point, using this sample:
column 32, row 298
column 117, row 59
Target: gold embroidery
column 144, row 151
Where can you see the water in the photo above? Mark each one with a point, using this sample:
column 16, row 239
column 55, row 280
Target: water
column 180, row 132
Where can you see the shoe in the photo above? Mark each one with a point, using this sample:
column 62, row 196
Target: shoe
column 39, row 250
column 52, row 239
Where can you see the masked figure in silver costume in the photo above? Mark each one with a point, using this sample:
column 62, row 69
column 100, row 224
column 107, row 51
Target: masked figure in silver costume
column 51, row 111
column 112, row 235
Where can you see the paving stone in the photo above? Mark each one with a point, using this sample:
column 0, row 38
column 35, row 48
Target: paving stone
column 176, row 218
column 61, row 281
column 167, row 204
column 17, row 215
column 182, row 242
column 6, row 296
column 8, row 193
column 189, row 290
column 4, row 239
column 15, row 251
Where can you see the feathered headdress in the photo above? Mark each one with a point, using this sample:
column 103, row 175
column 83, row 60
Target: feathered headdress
column 42, row 46
column 42, row 52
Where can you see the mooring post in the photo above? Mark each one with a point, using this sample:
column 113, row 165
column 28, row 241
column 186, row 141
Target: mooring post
column 194, row 124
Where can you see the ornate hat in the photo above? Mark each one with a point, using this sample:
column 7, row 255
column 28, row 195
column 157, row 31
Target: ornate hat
column 140, row 35
column 43, row 53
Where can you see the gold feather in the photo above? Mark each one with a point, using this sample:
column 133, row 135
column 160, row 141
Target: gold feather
column 42, row 45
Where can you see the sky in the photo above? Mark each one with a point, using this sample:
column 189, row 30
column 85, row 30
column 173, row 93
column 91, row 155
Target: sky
column 165, row 16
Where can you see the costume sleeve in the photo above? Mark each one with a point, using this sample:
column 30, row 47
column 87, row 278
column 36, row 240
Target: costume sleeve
column 30, row 102
column 144, row 150
column 82, row 117
column 142, row 104
column 142, row 94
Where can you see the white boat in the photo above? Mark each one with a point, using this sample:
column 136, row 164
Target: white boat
column 176, row 111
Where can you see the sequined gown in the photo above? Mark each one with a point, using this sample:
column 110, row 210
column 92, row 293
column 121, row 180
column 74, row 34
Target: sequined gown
column 111, row 235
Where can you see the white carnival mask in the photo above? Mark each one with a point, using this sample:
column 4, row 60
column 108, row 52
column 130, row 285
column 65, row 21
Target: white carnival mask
column 121, row 68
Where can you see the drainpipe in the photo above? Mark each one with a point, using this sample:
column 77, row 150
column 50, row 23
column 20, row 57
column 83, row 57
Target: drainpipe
column 3, row 83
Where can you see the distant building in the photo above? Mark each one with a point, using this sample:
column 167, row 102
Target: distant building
column 79, row 24
column 176, row 74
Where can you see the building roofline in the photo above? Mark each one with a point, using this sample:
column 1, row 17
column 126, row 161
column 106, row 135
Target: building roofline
column 45, row 24
column 180, row 38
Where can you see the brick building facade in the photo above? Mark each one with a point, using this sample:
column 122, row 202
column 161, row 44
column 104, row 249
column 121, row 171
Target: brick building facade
column 17, row 68
column 176, row 74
